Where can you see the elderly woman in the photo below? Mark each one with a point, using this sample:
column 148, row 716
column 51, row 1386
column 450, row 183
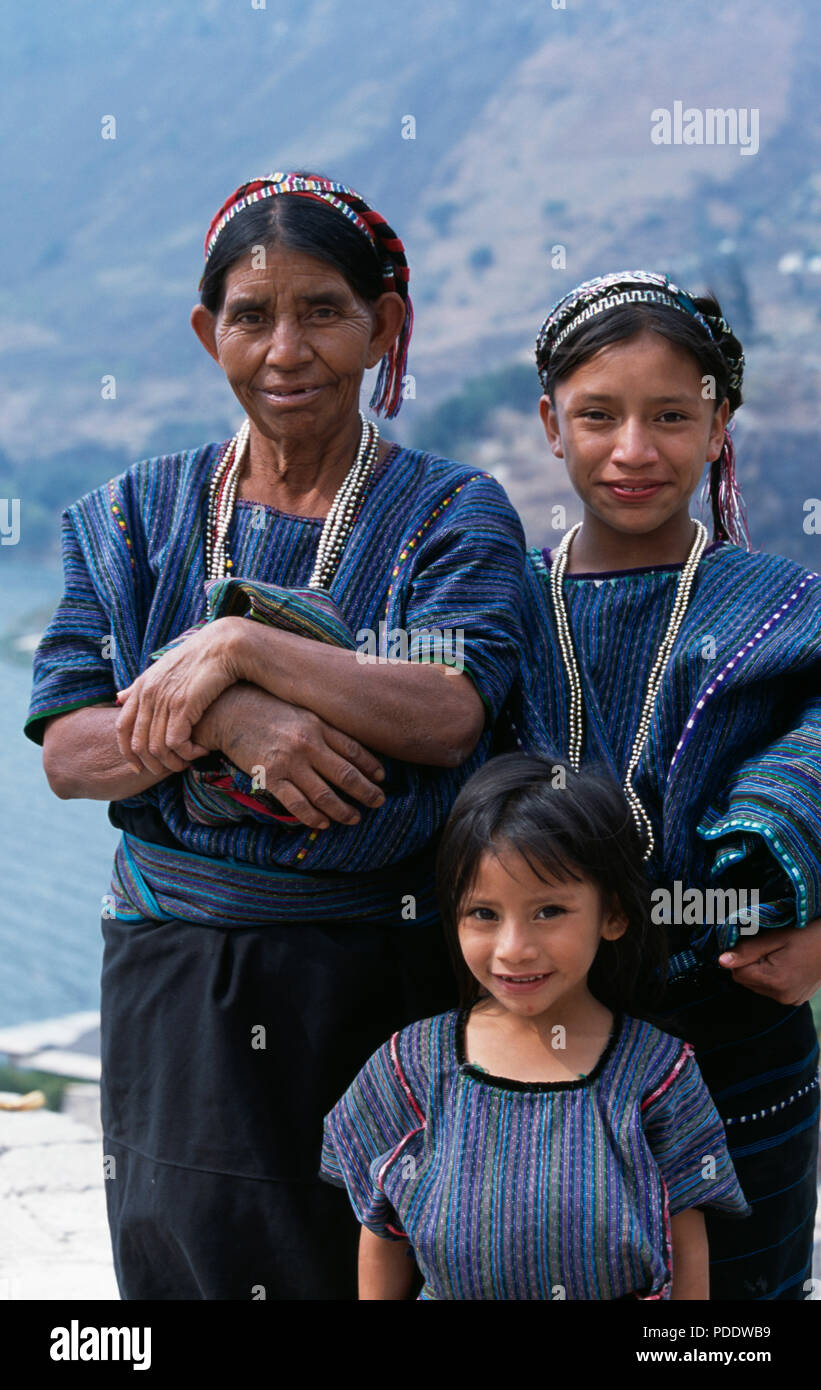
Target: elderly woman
column 286, row 746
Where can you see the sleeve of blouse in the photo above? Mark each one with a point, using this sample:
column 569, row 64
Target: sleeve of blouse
column 72, row 664
column 686, row 1136
column 531, row 704
column 768, row 826
column 366, row 1128
column 463, row 601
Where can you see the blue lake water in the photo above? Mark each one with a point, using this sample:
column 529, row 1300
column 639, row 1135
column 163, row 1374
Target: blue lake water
column 55, row 856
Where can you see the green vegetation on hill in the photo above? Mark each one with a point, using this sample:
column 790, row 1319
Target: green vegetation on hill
column 46, row 486
column 21, row 1082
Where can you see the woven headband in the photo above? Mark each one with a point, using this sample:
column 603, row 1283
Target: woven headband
column 628, row 287
column 387, row 395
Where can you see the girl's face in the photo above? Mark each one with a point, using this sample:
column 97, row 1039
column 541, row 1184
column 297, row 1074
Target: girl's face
column 635, row 432
column 531, row 942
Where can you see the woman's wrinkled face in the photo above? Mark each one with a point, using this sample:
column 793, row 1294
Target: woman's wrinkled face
column 294, row 340
column 635, row 425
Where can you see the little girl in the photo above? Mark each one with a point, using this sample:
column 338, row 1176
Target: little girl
column 538, row 1142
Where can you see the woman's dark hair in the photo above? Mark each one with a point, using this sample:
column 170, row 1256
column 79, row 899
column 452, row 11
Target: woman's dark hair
column 627, row 321
column 301, row 224
column 565, row 824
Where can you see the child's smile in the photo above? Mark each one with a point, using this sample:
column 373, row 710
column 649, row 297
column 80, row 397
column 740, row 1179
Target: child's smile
column 523, row 984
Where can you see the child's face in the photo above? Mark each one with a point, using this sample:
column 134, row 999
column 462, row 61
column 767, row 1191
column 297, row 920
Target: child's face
column 635, row 431
column 531, row 942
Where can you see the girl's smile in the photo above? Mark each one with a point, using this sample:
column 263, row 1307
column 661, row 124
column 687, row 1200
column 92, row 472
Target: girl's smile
column 522, row 984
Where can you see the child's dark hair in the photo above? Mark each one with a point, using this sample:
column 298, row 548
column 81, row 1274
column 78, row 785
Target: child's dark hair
column 566, row 824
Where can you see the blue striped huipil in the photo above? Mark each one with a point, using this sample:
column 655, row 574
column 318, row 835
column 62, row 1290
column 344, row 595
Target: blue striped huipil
column 435, row 546
column 731, row 779
column 527, row 1190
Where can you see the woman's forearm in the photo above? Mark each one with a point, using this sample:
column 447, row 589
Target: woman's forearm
column 422, row 712
column 82, row 759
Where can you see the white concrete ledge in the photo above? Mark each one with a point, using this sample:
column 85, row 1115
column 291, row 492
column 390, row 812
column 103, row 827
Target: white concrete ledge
column 52, row 1209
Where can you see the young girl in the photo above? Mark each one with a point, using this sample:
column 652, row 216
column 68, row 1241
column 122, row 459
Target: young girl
column 692, row 669
column 538, row 1142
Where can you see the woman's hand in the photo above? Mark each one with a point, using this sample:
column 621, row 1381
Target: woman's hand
column 784, row 963
column 161, row 707
column 295, row 755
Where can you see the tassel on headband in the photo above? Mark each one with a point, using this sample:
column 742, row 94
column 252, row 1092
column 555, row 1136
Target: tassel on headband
column 387, row 395
column 623, row 288
column 722, row 492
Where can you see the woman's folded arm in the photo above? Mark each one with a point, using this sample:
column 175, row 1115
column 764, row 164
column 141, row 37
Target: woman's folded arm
column 421, row 712
column 304, row 757
column 82, row 758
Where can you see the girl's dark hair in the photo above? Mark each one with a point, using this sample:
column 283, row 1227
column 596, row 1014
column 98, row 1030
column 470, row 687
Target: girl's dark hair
column 565, row 824
column 627, row 321
column 301, row 224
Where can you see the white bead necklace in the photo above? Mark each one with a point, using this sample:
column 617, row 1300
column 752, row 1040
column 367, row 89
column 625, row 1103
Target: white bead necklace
column 576, row 719
column 222, row 495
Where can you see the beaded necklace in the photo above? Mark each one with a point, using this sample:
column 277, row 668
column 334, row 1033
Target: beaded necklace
column 222, row 495
column 682, row 599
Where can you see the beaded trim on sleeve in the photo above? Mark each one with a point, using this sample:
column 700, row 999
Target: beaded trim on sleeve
column 117, row 513
column 417, row 536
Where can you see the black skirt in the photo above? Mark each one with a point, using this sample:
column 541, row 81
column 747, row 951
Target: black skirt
column 759, row 1060
column 222, row 1050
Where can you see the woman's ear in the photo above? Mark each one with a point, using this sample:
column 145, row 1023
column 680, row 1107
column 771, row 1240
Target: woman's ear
column 204, row 325
column 550, row 420
column 388, row 317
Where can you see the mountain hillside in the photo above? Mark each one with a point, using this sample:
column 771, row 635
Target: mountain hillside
column 531, row 167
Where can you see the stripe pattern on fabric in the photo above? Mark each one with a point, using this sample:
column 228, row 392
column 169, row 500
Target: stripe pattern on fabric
column 515, row 1190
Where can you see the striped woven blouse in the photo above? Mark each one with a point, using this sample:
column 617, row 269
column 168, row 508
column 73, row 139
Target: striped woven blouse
column 436, row 547
column 730, row 771
column 524, row 1190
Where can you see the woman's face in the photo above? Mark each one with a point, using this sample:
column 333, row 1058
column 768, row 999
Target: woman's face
column 635, row 431
column 294, row 340
column 529, row 942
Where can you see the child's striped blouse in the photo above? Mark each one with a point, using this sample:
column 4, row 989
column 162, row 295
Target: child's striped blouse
column 531, row 1190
